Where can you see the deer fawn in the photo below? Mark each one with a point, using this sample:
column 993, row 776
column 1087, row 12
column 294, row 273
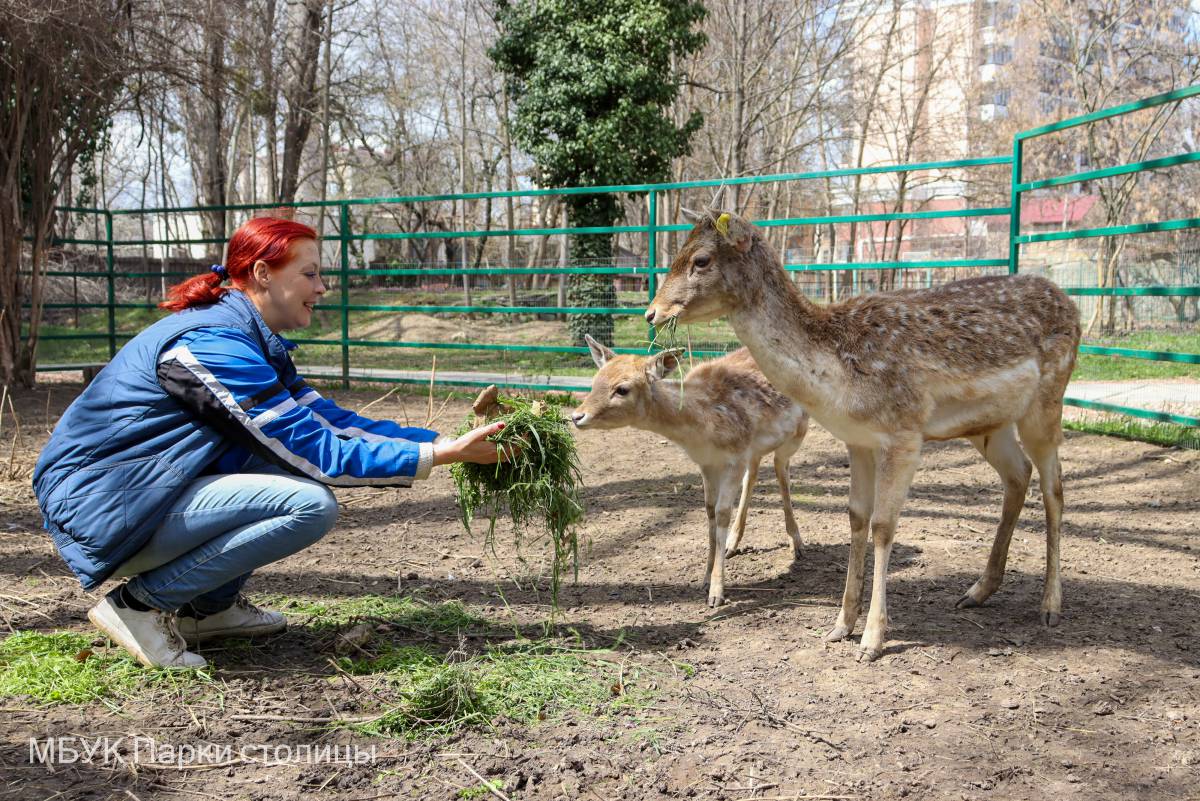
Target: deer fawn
column 985, row 359
column 726, row 417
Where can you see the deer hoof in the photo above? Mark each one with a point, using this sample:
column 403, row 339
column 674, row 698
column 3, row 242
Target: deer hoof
column 839, row 633
column 730, row 552
column 715, row 599
column 1051, row 619
column 967, row 602
column 866, row 654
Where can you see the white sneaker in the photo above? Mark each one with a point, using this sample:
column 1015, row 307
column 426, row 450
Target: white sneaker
column 243, row 619
column 150, row 636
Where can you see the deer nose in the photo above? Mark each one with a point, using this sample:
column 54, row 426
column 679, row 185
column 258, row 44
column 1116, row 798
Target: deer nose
column 578, row 417
column 650, row 315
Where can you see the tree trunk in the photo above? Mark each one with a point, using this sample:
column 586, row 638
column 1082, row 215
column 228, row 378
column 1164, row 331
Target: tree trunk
column 591, row 250
column 868, row 111
column 510, row 242
column 328, row 77
column 212, row 102
column 271, row 105
column 11, row 230
column 546, row 205
column 462, row 150
column 301, row 94
column 563, row 260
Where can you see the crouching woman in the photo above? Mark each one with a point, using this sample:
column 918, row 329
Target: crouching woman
column 198, row 454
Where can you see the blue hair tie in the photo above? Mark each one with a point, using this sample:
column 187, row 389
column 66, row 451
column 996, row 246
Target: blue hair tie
column 220, row 271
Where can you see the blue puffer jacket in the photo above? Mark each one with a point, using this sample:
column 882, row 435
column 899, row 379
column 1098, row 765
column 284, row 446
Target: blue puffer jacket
column 196, row 393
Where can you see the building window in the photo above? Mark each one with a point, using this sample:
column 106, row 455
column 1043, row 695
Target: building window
column 993, row 13
column 995, row 54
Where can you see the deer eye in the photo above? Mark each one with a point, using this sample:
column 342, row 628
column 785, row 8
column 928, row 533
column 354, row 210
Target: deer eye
column 621, row 390
column 700, row 260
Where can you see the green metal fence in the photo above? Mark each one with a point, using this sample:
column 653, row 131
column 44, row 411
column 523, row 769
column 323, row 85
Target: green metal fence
column 1018, row 239
column 631, row 308
column 354, row 227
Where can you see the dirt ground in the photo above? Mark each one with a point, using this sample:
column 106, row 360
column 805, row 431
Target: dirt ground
column 964, row 704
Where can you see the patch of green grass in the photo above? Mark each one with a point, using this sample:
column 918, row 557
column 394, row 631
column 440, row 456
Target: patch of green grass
column 1167, row 434
column 410, row 659
column 93, row 321
column 407, row 611
column 523, row 681
column 60, row 667
column 1119, row 368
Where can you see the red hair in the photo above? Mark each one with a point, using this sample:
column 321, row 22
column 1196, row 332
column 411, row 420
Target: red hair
column 265, row 239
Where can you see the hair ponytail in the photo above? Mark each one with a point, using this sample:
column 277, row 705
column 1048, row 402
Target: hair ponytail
column 199, row 290
column 265, row 239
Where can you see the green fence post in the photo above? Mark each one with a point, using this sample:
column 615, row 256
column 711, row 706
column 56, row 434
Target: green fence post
column 1014, row 225
column 344, row 280
column 652, row 255
column 112, row 292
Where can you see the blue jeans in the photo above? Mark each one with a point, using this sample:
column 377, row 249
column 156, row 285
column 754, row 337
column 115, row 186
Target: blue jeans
column 220, row 530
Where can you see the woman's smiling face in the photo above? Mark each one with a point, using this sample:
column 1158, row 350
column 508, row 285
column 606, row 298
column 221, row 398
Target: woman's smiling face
column 286, row 296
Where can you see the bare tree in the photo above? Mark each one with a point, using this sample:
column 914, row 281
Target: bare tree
column 920, row 115
column 301, row 97
column 1092, row 55
column 62, row 65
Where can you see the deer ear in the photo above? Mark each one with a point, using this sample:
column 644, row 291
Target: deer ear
column 664, row 363
column 600, row 353
column 691, row 216
column 736, row 231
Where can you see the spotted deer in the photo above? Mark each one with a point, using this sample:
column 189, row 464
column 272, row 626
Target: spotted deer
column 984, row 358
column 723, row 414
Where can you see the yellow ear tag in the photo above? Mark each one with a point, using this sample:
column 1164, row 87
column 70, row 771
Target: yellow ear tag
column 722, row 225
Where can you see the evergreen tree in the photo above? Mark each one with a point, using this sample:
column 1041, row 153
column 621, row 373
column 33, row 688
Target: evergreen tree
column 592, row 82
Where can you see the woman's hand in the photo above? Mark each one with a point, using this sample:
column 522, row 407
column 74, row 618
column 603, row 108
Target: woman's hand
column 472, row 446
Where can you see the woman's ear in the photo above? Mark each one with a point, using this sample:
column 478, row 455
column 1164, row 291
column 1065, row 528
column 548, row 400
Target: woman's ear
column 261, row 272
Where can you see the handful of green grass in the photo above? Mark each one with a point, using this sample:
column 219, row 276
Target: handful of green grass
column 538, row 485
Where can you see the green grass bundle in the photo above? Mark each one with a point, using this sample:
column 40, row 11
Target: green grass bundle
column 538, row 487
column 60, row 667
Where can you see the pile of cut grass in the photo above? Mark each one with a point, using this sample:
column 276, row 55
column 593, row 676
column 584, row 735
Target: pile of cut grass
column 538, row 486
column 408, row 612
column 522, row 681
column 434, row 689
column 60, row 667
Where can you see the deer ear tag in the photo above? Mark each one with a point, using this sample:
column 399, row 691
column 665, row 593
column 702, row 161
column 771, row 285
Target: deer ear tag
column 722, row 225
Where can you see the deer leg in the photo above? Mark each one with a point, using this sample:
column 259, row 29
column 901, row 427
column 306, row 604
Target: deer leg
column 862, row 502
column 727, row 485
column 1002, row 452
column 783, row 457
column 1043, row 448
column 743, row 506
column 894, row 471
column 710, row 511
